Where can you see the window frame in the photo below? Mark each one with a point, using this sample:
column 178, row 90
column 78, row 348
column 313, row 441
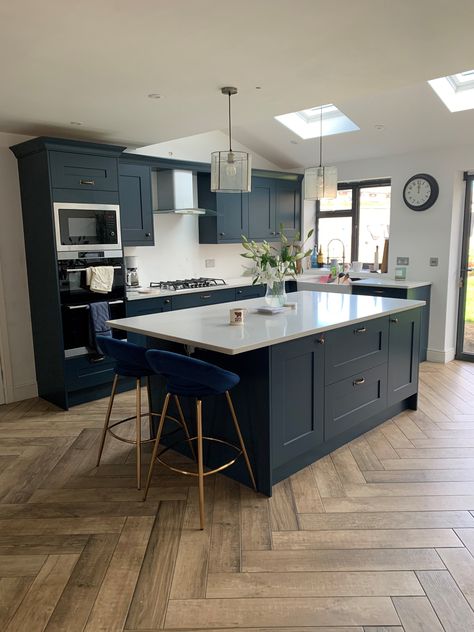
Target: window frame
column 354, row 212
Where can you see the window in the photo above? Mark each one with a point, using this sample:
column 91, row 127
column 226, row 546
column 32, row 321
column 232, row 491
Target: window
column 456, row 91
column 359, row 217
column 306, row 123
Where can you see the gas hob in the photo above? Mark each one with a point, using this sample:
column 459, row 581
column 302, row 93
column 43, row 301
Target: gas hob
column 187, row 284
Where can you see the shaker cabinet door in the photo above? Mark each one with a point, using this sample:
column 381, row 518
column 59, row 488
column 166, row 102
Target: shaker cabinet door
column 288, row 207
column 262, row 209
column 136, row 212
column 403, row 359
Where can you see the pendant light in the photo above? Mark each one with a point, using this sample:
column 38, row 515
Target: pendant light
column 320, row 182
column 230, row 170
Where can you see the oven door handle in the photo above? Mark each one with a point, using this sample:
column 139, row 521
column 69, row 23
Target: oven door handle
column 84, row 269
column 87, row 306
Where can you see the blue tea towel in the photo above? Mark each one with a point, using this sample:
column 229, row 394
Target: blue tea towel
column 99, row 315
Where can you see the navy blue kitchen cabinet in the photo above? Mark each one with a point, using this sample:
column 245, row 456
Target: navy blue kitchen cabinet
column 251, row 291
column 404, row 344
column 136, row 213
column 297, row 401
column 230, row 221
column 198, row 299
column 418, row 293
column 86, row 172
column 262, row 220
column 142, row 307
column 288, row 206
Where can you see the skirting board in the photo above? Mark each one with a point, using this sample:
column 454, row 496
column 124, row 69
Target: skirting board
column 435, row 355
column 23, row 391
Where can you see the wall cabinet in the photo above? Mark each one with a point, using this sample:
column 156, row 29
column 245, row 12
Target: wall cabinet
column 136, row 214
column 83, row 171
column 418, row 293
column 273, row 201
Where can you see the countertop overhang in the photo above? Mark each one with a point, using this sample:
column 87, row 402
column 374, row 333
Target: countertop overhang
column 208, row 327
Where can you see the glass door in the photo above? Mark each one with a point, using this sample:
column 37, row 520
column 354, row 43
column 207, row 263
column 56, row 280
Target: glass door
column 465, row 338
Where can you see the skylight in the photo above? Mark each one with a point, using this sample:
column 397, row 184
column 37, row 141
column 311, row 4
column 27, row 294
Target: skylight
column 306, row 123
column 456, row 91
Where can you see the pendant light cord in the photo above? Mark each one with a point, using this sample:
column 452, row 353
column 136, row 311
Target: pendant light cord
column 230, row 126
column 321, row 136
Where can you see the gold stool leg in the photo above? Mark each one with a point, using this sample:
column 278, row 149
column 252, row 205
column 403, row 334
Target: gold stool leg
column 241, row 440
column 157, row 443
column 138, row 428
column 107, row 418
column 200, row 461
column 184, row 424
column 150, row 416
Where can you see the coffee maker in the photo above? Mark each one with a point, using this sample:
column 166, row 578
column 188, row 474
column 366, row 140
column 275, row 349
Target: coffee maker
column 131, row 277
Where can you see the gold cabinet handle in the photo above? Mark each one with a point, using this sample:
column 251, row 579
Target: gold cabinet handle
column 85, row 181
column 361, row 330
column 359, row 381
column 394, row 320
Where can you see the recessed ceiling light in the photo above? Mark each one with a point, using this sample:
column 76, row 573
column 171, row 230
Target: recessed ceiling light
column 379, row 127
column 294, row 142
column 154, row 96
column 306, row 123
column 258, row 87
column 77, row 123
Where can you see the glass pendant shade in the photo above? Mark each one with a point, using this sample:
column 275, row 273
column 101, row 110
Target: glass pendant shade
column 231, row 171
column 320, row 183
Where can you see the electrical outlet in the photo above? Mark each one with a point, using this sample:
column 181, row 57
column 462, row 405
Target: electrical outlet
column 403, row 261
column 210, row 263
column 434, row 261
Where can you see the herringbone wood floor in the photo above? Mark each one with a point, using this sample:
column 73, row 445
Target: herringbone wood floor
column 376, row 537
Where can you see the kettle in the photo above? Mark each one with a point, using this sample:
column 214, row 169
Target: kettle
column 131, row 278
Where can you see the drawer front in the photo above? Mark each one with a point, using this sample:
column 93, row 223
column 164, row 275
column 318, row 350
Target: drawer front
column 356, row 348
column 354, row 399
column 148, row 306
column 252, row 291
column 203, row 298
column 81, row 373
column 388, row 292
column 82, row 171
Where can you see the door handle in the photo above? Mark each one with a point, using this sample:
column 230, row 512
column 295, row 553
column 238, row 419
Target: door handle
column 203, row 296
column 361, row 330
column 358, row 381
column 87, row 181
column 394, row 320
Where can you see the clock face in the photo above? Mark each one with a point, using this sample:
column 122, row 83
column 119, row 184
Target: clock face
column 420, row 192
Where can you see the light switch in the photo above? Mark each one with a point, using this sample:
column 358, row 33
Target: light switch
column 210, row 263
column 434, row 261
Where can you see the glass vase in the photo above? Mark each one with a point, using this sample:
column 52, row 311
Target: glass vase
column 276, row 295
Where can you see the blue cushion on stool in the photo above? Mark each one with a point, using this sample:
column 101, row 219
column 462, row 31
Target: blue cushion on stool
column 189, row 376
column 130, row 359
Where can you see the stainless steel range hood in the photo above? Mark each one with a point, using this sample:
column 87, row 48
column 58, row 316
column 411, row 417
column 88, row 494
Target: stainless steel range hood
column 176, row 192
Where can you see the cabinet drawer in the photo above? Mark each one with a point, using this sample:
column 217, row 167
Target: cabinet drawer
column 356, row 348
column 145, row 306
column 203, row 298
column 354, row 399
column 81, row 373
column 389, row 292
column 83, row 171
column 252, row 291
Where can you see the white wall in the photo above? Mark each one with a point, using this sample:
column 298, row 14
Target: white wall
column 421, row 235
column 177, row 253
column 16, row 343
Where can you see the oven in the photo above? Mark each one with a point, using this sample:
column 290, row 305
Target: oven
column 75, row 296
column 91, row 226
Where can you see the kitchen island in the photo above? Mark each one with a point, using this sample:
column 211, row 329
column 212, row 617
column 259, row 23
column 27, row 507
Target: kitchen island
column 312, row 377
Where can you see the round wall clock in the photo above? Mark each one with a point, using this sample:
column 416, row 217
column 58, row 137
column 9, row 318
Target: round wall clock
column 420, row 192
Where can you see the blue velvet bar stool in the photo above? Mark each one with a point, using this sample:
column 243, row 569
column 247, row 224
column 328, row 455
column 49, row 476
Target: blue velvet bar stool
column 190, row 377
column 131, row 362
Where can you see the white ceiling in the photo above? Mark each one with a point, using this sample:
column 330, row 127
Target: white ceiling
column 97, row 60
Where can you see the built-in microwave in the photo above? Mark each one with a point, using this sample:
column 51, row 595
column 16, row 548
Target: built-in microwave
column 87, row 227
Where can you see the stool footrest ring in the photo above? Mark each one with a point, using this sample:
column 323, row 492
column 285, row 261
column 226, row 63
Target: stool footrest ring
column 208, row 472
column 133, row 442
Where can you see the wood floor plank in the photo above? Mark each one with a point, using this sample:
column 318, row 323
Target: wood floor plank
column 43, row 595
column 417, row 614
column 436, row 453
column 115, row 594
column 429, row 464
column 410, row 489
column 346, row 466
column 467, row 538
column 400, row 503
column 255, row 521
column 224, row 553
column 282, row 507
column 59, row 526
column 149, row 603
column 418, row 476
column 395, row 436
column 76, row 602
column 387, row 520
column 116, row 494
column 305, row 492
column 327, row 479
column 312, row 584
column 64, row 544
column 409, row 427
column 21, row 565
column 380, row 445
column 365, row 539
column 79, row 510
column 12, row 592
column 190, row 572
column 460, row 563
column 276, row 613
column 364, row 456
column 341, row 560
column 447, row 600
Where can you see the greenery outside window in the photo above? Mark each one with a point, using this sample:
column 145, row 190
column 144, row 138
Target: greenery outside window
column 359, row 217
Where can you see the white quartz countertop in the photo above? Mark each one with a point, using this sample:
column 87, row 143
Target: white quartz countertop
column 156, row 292
column 406, row 285
column 208, row 327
